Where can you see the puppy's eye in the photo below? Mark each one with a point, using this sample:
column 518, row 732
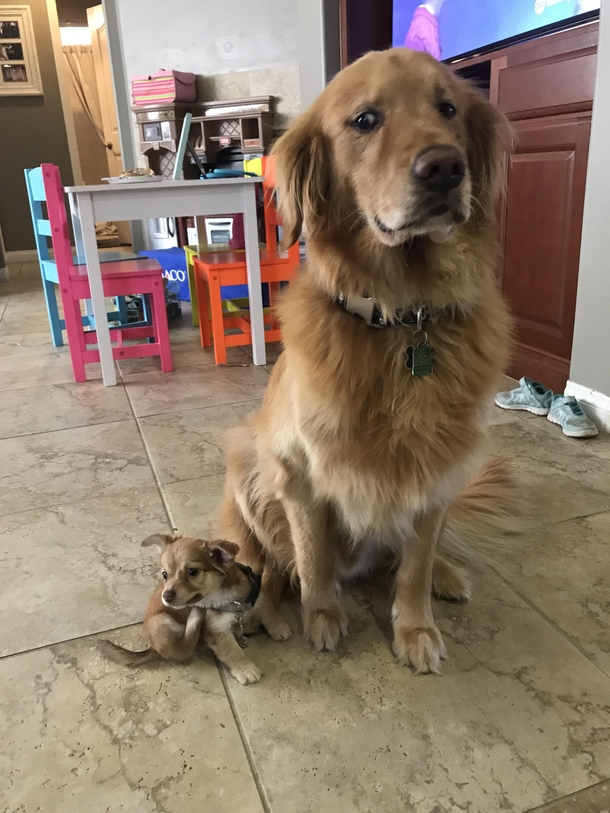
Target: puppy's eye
column 367, row 121
column 447, row 110
column 164, row 574
column 192, row 571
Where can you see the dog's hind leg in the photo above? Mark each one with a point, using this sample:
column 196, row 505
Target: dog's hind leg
column 176, row 641
column 450, row 582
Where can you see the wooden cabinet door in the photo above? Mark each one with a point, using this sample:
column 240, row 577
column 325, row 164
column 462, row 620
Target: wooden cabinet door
column 541, row 228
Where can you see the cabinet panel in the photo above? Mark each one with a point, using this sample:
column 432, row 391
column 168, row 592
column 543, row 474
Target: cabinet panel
column 565, row 81
column 541, row 236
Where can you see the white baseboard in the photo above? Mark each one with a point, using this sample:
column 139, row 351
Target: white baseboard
column 595, row 404
column 21, row 256
column 4, row 274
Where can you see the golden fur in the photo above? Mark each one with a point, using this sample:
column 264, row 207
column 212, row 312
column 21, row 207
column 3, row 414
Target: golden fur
column 350, row 453
column 197, row 576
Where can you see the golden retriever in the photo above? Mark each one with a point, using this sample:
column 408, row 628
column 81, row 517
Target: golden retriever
column 362, row 442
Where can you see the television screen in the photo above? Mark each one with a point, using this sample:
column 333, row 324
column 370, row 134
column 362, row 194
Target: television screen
column 451, row 28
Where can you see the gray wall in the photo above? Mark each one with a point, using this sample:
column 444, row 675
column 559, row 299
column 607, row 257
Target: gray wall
column 33, row 132
column 238, row 48
column 590, row 354
column 207, row 37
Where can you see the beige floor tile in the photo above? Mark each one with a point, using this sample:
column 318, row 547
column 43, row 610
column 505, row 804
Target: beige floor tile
column 183, row 355
column 599, row 445
column 564, row 570
column 55, row 367
column 193, row 388
column 65, row 406
column 562, row 481
column 78, row 568
column 191, row 444
column 194, row 504
column 273, row 351
column 71, row 465
column 591, row 800
column 83, row 734
column 518, row 718
column 28, row 344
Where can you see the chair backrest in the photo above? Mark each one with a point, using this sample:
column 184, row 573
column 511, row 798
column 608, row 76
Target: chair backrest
column 272, row 218
column 181, row 151
column 58, row 220
column 36, row 196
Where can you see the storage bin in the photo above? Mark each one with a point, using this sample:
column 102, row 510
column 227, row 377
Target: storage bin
column 163, row 87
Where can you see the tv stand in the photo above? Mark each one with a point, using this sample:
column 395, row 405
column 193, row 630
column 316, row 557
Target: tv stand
column 545, row 87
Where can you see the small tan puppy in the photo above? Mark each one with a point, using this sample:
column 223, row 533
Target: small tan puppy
column 205, row 595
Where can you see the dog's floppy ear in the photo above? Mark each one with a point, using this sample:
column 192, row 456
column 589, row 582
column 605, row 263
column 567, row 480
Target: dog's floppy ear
column 159, row 540
column 489, row 141
column 221, row 553
column 303, row 174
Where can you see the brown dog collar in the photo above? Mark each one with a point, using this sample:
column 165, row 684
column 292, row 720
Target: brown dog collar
column 368, row 310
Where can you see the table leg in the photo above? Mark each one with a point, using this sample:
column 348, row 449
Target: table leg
column 94, row 272
column 254, row 276
column 80, row 247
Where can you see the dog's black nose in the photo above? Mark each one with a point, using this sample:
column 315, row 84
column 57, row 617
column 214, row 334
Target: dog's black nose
column 439, row 169
column 169, row 595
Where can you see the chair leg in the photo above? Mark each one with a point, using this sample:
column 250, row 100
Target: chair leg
column 192, row 292
column 76, row 338
column 161, row 328
column 121, row 306
column 202, row 305
column 53, row 313
column 218, row 324
column 274, row 289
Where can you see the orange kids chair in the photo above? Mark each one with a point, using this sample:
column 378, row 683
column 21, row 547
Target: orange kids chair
column 217, row 270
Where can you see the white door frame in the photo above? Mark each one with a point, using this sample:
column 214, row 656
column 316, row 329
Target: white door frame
column 64, row 91
column 122, row 96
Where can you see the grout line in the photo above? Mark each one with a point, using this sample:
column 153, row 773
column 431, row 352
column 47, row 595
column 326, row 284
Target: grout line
column 550, row 806
column 549, row 620
column 245, row 742
column 166, row 507
column 69, row 640
column 61, row 428
column 192, row 409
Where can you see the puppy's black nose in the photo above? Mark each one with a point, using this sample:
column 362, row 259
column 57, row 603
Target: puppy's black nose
column 439, row 169
column 169, row 595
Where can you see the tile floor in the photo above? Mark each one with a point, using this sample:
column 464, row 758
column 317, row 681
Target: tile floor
column 519, row 721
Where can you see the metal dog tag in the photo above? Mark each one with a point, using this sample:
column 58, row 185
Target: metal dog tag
column 419, row 359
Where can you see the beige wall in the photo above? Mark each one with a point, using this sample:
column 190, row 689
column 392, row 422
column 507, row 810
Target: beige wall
column 591, row 351
column 32, row 132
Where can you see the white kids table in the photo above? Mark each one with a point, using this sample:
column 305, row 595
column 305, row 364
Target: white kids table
column 143, row 201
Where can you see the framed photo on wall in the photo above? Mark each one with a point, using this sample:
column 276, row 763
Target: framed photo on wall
column 19, row 69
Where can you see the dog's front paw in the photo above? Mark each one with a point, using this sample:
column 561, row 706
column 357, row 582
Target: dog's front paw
column 249, row 673
column 324, row 627
column 279, row 630
column 422, row 649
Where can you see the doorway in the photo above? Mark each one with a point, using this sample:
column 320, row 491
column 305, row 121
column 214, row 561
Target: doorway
column 86, row 66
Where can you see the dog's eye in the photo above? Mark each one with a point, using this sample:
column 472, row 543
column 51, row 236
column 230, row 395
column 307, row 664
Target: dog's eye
column 367, row 121
column 164, row 574
column 192, row 571
column 447, row 110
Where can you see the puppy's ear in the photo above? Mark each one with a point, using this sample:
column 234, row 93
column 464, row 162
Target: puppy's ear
column 489, row 142
column 221, row 553
column 303, row 174
column 159, row 540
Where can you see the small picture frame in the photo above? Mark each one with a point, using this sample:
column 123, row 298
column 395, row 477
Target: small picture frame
column 19, row 69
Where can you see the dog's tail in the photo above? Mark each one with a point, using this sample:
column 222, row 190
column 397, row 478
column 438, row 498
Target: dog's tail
column 485, row 514
column 126, row 657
